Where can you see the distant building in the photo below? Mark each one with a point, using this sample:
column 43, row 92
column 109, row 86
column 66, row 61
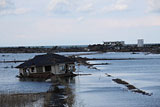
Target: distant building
column 114, row 43
column 140, row 43
column 52, row 64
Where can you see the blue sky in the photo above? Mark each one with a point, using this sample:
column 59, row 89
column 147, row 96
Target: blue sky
column 78, row 22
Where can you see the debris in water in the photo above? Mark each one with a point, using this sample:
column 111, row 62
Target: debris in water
column 131, row 87
column 108, row 75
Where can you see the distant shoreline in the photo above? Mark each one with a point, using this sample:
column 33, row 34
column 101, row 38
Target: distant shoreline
column 81, row 48
column 43, row 49
column 61, row 46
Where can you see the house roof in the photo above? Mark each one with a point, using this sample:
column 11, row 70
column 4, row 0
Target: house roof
column 46, row 60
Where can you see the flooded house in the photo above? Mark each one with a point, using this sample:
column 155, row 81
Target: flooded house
column 47, row 65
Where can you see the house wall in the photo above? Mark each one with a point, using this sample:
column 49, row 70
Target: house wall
column 43, row 69
column 21, row 71
column 32, row 71
column 71, row 67
column 55, row 69
column 24, row 72
column 61, row 68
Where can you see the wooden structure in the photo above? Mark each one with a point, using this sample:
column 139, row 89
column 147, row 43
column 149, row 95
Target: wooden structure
column 46, row 65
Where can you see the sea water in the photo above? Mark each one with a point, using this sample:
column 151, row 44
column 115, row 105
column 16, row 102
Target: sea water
column 97, row 90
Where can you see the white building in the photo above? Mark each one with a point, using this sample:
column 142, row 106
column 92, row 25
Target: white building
column 140, row 43
column 114, row 43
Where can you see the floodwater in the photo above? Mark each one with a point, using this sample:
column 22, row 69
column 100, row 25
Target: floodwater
column 96, row 90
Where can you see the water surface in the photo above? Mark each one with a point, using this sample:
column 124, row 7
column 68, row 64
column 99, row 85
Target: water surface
column 97, row 90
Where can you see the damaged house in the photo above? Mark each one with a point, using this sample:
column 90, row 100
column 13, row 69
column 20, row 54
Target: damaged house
column 46, row 65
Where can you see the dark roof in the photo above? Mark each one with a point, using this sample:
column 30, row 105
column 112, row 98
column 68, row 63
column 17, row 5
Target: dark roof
column 46, row 60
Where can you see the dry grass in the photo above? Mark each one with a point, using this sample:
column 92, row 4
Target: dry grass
column 56, row 96
column 19, row 100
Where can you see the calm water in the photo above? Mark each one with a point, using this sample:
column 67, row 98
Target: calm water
column 97, row 90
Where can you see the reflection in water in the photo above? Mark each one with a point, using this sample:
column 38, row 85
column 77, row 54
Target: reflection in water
column 60, row 93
